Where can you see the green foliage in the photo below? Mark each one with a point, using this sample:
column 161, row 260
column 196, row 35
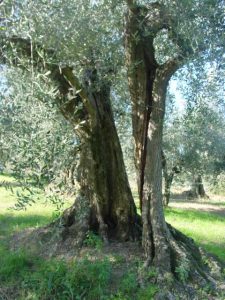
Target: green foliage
column 41, row 279
column 183, row 270
column 152, row 273
column 193, row 132
column 55, row 279
column 218, row 184
column 93, row 240
column 36, row 143
column 119, row 259
column 38, row 214
column 129, row 284
column 129, row 288
column 148, row 292
column 84, row 279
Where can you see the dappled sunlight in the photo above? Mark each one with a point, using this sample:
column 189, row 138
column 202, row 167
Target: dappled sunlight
column 12, row 220
column 11, row 223
column 205, row 228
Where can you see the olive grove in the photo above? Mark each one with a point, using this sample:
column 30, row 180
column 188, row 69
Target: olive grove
column 79, row 50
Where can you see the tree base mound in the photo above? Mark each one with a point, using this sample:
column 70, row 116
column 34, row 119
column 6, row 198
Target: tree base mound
column 195, row 274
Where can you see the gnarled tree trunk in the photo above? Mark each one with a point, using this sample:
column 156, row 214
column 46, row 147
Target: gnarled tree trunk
column 199, row 187
column 104, row 202
column 148, row 83
column 110, row 208
column 164, row 247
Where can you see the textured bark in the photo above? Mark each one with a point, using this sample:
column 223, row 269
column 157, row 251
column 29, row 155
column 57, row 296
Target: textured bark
column 165, row 247
column 197, row 188
column 158, row 251
column 101, row 173
column 142, row 67
column 200, row 186
column 168, row 180
column 168, row 177
column 104, row 203
column 148, row 83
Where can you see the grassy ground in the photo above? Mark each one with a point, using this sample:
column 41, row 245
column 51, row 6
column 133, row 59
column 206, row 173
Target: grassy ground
column 10, row 220
column 27, row 277
column 201, row 219
column 207, row 229
column 85, row 279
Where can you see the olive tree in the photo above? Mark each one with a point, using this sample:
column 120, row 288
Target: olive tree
column 82, row 66
column 161, row 37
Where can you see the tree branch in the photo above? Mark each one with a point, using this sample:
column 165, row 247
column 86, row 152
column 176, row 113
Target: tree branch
column 63, row 75
column 131, row 3
column 74, row 82
column 171, row 66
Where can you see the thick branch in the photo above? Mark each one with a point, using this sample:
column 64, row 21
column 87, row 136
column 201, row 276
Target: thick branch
column 63, row 75
column 170, row 67
column 74, row 82
column 131, row 3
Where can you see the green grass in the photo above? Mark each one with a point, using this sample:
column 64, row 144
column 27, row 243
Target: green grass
column 207, row 229
column 39, row 279
column 35, row 214
column 7, row 178
column 36, row 278
column 13, row 220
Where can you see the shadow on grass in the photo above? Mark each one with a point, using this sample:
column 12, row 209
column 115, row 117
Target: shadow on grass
column 180, row 197
column 215, row 249
column 207, row 232
column 190, row 214
column 9, row 184
column 10, row 223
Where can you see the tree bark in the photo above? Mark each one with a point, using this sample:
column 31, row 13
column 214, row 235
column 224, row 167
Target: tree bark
column 197, row 188
column 168, row 178
column 101, row 173
column 104, row 203
column 148, row 83
column 166, row 248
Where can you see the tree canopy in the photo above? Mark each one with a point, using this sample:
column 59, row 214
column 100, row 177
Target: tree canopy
column 80, row 56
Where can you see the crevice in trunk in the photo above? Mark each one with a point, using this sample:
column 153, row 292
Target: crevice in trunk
column 108, row 206
column 165, row 248
column 150, row 74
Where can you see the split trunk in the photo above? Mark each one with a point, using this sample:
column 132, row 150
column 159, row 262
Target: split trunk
column 164, row 246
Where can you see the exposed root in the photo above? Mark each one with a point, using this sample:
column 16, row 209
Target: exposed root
column 67, row 234
column 193, row 269
column 194, row 274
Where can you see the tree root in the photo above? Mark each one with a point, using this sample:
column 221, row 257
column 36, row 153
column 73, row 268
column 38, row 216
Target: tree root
column 193, row 270
column 67, row 234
